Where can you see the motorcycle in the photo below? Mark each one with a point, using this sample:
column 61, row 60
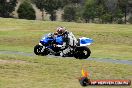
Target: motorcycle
column 53, row 45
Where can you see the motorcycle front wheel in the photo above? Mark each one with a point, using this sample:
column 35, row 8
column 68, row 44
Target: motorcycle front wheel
column 37, row 49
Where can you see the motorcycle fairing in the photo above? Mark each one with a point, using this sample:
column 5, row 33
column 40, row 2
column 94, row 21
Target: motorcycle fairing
column 85, row 41
column 59, row 40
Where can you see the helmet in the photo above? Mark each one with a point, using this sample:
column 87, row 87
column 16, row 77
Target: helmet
column 61, row 30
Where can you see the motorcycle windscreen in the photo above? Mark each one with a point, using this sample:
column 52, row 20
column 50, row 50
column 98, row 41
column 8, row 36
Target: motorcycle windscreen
column 85, row 41
column 46, row 40
column 59, row 40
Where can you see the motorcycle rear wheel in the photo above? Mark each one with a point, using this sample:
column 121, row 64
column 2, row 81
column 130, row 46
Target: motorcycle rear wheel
column 82, row 52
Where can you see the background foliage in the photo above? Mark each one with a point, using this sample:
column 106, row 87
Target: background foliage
column 97, row 11
column 26, row 11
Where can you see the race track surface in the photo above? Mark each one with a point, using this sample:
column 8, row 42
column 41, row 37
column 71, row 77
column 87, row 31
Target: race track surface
column 128, row 62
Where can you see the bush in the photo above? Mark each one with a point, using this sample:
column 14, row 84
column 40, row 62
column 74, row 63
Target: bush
column 106, row 18
column 69, row 13
column 53, row 16
column 130, row 20
column 120, row 21
column 79, row 11
column 26, row 11
column 89, row 11
column 7, row 7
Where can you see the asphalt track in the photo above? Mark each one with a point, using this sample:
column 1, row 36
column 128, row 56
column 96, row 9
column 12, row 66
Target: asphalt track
column 128, row 62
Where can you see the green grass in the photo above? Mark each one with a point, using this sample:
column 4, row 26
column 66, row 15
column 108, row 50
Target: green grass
column 110, row 40
column 45, row 72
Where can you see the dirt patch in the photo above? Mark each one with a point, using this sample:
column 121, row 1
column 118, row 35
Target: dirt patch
column 13, row 62
column 7, row 29
column 17, row 53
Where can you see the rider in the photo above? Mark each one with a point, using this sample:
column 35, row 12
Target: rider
column 63, row 32
column 66, row 39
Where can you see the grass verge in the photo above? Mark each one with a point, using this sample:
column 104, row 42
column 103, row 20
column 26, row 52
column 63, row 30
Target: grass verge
column 49, row 72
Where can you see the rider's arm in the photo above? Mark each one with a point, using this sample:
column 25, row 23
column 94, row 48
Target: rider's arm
column 66, row 39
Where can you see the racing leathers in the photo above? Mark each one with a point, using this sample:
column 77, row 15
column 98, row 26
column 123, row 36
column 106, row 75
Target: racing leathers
column 69, row 41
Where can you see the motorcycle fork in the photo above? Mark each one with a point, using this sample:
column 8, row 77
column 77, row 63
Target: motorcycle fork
column 43, row 47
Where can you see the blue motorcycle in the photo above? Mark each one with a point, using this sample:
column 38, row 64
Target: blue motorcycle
column 52, row 45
